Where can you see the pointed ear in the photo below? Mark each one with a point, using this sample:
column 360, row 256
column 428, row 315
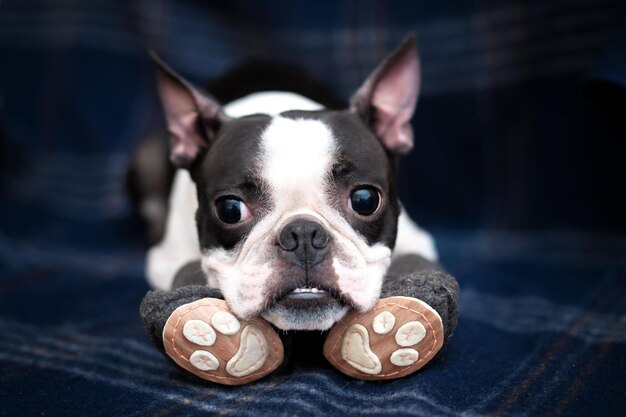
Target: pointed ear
column 192, row 115
column 387, row 98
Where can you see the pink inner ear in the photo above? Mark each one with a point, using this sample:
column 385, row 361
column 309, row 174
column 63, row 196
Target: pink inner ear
column 185, row 138
column 393, row 101
column 182, row 116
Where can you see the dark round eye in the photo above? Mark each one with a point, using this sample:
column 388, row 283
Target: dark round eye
column 364, row 200
column 231, row 210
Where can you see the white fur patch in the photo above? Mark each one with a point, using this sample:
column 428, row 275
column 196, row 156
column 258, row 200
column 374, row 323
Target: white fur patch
column 412, row 239
column 271, row 103
column 180, row 244
column 296, row 162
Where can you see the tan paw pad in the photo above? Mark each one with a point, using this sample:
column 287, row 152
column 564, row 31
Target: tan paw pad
column 203, row 360
column 404, row 357
column 410, row 333
column 206, row 339
column 199, row 332
column 355, row 350
column 225, row 323
column 252, row 353
column 394, row 339
column 384, row 322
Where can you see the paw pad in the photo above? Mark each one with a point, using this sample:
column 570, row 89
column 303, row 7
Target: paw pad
column 203, row 360
column 404, row 357
column 251, row 355
column 384, row 322
column 199, row 332
column 228, row 350
column 410, row 333
column 396, row 338
column 356, row 350
column 225, row 323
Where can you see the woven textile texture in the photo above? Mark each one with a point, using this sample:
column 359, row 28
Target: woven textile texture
column 518, row 170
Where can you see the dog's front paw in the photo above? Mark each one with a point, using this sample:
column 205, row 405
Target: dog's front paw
column 396, row 338
column 206, row 339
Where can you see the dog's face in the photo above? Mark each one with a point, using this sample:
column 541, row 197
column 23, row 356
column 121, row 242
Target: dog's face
column 298, row 212
column 294, row 204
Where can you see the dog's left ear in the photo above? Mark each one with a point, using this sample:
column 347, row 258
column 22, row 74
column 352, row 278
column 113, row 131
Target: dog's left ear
column 387, row 98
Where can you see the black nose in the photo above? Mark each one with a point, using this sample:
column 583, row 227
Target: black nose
column 304, row 242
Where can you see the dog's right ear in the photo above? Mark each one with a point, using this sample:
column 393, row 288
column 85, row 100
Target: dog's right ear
column 387, row 99
column 192, row 115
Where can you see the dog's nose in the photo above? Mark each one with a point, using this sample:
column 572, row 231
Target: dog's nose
column 304, row 242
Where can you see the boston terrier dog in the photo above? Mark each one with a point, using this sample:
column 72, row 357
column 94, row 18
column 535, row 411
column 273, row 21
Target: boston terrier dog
column 284, row 216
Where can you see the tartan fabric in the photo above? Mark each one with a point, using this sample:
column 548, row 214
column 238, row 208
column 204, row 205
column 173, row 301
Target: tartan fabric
column 517, row 169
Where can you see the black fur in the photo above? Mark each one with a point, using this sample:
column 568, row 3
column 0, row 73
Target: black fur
column 229, row 168
column 190, row 274
column 254, row 76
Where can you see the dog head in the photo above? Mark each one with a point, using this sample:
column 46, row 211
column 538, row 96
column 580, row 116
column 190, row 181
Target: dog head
column 298, row 212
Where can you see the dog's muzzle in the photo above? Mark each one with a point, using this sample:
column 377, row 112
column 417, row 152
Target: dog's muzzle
column 304, row 243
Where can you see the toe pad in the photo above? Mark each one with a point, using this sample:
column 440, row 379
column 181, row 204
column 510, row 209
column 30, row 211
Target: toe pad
column 396, row 338
column 207, row 340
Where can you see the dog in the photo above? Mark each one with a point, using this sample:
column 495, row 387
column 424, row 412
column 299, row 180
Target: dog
column 298, row 212
column 284, row 215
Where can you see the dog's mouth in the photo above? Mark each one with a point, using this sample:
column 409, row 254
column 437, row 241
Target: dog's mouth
column 308, row 298
column 307, row 293
column 305, row 308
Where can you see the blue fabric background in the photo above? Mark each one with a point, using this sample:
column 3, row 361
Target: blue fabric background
column 518, row 169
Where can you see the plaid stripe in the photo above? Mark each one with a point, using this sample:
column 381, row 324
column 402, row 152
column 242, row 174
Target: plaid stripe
column 517, row 169
column 474, row 51
column 513, row 354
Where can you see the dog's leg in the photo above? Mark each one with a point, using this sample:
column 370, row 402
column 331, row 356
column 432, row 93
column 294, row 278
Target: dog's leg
column 158, row 305
column 180, row 243
column 409, row 325
column 190, row 274
column 193, row 327
column 416, row 277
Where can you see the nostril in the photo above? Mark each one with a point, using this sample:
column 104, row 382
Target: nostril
column 288, row 239
column 319, row 238
column 307, row 239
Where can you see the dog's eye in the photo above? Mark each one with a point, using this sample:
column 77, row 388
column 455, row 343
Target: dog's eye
column 231, row 210
column 364, row 201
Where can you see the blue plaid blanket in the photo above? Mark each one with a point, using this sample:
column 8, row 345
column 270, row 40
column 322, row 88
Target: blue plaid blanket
column 517, row 170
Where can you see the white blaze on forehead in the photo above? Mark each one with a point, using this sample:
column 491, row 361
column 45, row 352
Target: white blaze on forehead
column 297, row 157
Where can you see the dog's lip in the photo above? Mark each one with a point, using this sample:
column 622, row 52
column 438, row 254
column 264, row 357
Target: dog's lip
column 306, row 293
